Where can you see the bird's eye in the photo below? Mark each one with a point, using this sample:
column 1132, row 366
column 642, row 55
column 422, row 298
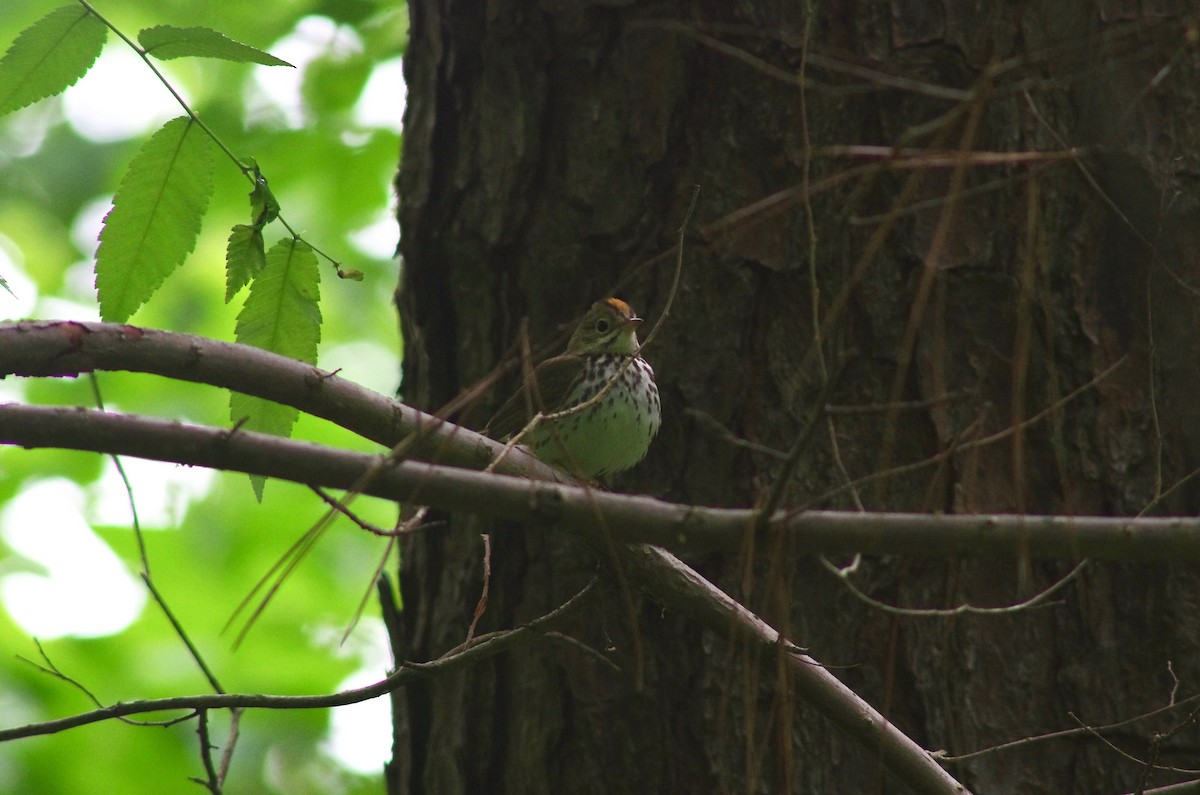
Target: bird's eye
column 602, row 326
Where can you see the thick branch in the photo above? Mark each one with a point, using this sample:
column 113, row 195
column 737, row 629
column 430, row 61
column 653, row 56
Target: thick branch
column 626, row 518
column 667, row 579
column 70, row 348
column 671, row 582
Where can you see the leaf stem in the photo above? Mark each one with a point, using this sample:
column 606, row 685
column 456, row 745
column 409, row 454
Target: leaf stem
column 247, row 170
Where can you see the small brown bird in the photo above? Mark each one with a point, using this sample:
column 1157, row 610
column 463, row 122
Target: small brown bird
column 610, row 436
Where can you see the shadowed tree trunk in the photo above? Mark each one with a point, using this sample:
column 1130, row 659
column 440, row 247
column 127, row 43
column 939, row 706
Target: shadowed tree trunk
column 960, row 216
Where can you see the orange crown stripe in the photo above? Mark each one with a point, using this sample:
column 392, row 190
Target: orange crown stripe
column 620, row 306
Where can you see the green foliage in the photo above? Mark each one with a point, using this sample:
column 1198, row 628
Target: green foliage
column 211, row 542
column 244, row 258
column 155, row 217
column 158, row 209
column 167, row 41
column 244, row 254
column 264, row 207
column 49, row 56
column 282, row 315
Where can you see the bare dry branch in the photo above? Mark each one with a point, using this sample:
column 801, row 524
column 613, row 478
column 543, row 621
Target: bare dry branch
column 70, row 348
column 629, row 518
column 405, row 674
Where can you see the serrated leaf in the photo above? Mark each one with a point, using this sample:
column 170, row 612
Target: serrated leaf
column 167, row 41
column 155, row 217
column 281, row 314
column 49, row 56
column 244, row 258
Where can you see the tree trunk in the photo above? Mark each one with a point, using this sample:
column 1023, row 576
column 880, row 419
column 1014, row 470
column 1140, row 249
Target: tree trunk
column 1034, row 226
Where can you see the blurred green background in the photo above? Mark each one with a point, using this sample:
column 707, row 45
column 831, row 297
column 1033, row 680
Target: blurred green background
column 327, row 136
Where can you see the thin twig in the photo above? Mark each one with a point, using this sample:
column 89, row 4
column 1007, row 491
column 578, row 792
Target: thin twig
column 406, row 673
column 181, row 633
column 341, row 507
column 975, row 443
column 962, row 609
column 485, row 586
column 788, row 469
column 212, row 781
column 47, row 666
column 361, row 607
column 1065, row 734
column 707, row 420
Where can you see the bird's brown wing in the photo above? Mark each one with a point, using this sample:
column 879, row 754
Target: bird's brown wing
column 554, row 379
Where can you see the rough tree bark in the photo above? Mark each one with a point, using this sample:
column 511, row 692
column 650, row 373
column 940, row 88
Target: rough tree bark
column 1036, row 223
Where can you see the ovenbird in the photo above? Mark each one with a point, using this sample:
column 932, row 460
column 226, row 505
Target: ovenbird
column 614, row 432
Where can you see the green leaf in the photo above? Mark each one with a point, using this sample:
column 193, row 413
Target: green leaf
column 264, row 207
column 281, row 315
column 49, row 56
column 155, row 217
column 244, row 258
column 167, row 41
